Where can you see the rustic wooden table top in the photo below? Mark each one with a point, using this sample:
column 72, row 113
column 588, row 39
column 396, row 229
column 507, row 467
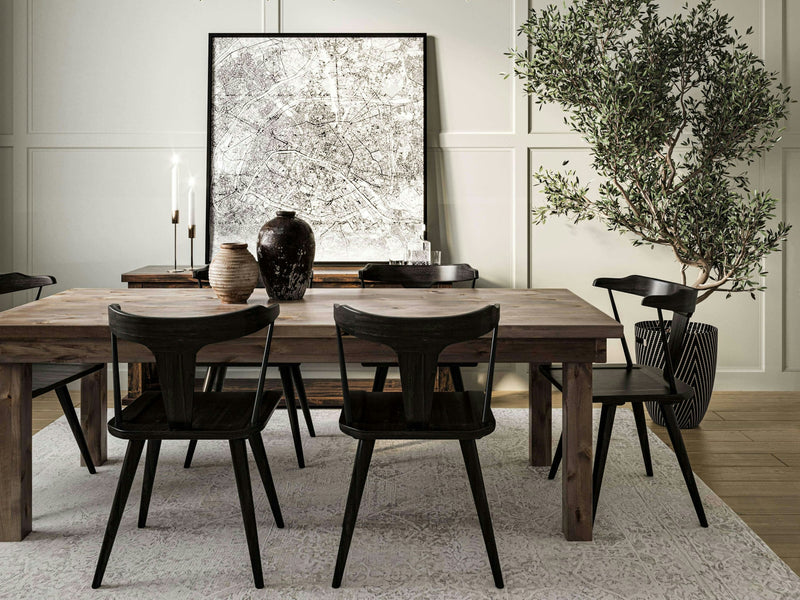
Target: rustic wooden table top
column 536, row 313
column 536, row 326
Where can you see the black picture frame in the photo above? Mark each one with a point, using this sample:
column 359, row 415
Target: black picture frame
column 324, row 257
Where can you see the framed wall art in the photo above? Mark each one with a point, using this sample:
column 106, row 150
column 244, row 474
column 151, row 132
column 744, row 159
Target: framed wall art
column 331, row 126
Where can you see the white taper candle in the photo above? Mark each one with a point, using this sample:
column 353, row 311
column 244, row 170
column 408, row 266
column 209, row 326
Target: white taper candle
column 191, row 219
column 175, row 162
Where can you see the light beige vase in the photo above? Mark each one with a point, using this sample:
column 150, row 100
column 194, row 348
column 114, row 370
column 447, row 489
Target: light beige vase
column 233, row 274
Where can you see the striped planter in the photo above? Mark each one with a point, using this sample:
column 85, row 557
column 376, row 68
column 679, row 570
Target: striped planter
column 697, row 367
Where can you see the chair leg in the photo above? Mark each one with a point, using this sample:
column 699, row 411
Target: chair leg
column 470, row 452
column 242, row 473
column 297, row 376
column 357, row 481
column 260, row 455
column 381, row 371
column 644, row 443
column 556, row 459
column 75, row 425
column 150, row 464
column 208, row 384
column 210, row 378
column 189, row 454
column 668, row 412
column 129, row 464
column 458, row 380
column 222, row 371
column 601, row 454
column 291, row 408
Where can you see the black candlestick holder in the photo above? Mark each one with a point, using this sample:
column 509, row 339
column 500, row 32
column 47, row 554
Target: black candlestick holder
column 192, row 233
column 175, row 219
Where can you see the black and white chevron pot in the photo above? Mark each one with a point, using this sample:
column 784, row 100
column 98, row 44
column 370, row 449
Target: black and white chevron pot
column 697, row 368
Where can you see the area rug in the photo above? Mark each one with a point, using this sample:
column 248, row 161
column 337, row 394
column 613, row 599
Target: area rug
column 417, row 534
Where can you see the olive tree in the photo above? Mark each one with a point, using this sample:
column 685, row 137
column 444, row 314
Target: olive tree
column 674, row 108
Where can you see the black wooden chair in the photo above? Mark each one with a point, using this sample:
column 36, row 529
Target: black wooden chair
column 291, row 380
column 52, row 377
column 615, row 384
column 417, row 276
column 177, row 412
column 417, row 412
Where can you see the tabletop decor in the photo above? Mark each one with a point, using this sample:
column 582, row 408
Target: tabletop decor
column 332, row 125
column 233, row 274
column 174, row 174
column 673, row 108
column 192, row 222
column 286, row 249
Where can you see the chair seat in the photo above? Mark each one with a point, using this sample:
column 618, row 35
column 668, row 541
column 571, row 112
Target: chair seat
column 380, row 415
column 617, row 384
column 47, row 377
column 216, row 416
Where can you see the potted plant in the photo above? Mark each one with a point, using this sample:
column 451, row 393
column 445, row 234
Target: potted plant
column 673, row 108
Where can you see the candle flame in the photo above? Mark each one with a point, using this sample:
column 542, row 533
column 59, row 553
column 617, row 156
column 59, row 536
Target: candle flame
column 191, row 181
column 176, row 159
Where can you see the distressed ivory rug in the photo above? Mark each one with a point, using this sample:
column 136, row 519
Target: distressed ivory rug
column 417, row 534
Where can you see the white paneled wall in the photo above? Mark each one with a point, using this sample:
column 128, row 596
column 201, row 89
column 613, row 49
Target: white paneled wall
column 791, row 260
column 6, row 217
column 6, row 152
column 6, row 66
column 474, row 195
column 115, row 66
column 96, row 95
column 115, row 198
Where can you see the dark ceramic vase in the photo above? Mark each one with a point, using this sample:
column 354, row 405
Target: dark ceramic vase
column 286, row 256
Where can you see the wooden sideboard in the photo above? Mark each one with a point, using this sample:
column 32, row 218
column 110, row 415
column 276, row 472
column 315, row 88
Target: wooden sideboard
column 159, row 276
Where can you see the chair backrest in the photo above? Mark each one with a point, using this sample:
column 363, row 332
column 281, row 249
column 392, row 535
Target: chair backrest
column 417, row 276
column 175, row 342
column 18, row 282
column 417, row 341
column 201, row 275
column 661, row 295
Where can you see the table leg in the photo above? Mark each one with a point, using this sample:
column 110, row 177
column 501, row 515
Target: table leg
column 444, row 380
column 16, row 487
column 540, row 409
column 576, row 469
column 94, row 414
column 142, row 377
column 135, row 379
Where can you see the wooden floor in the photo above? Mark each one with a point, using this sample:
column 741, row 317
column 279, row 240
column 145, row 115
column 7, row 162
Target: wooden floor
column 747, row 450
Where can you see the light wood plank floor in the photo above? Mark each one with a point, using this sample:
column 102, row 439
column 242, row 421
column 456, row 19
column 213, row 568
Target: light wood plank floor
column 747, row 450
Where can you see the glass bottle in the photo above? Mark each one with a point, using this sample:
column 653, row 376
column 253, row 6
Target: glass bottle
column 419, row 250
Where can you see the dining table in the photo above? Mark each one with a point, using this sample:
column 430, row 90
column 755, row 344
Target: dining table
column 537, row 327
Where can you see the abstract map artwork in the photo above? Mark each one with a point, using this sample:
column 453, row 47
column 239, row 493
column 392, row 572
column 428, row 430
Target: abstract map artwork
column 332, row 127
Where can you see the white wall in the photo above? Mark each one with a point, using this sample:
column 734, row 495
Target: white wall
column 96, row 95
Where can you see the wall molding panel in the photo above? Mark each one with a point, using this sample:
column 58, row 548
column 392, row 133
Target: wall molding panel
column 790, row 263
